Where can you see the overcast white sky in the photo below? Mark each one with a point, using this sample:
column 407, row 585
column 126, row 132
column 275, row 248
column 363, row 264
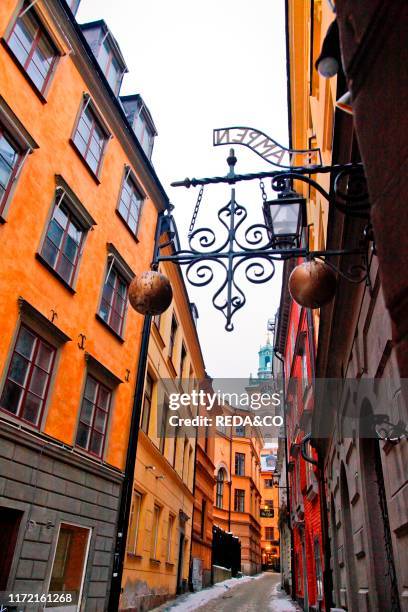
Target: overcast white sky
column 199, row 66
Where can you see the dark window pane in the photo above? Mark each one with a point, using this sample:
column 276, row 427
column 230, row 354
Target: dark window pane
column 82, row 436
column 115, row 321
column 44, row 357
column 86, row 411
column 31, row 408
column 18, row 369
column 90, row 389
column 103, row 398
column 100, row 421
column 95, row 445
column 104, row 311
column 65, row 269
column 49, row 252
column 25, row 342
column 38, row 382
column 55, row 232
column 11, row 396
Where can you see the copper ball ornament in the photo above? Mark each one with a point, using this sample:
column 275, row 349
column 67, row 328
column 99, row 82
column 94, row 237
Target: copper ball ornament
column 150, row 293
column 312, row 284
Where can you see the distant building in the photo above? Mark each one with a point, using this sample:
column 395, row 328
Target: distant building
column 237, row 494
column 269, row 510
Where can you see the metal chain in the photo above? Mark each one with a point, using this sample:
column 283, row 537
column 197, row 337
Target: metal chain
column 195, row 212
column 262, row 188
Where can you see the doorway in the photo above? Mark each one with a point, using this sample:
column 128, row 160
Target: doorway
column 180, row 564
column 9, row 526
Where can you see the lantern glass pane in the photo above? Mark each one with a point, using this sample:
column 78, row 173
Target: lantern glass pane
column 285, row 218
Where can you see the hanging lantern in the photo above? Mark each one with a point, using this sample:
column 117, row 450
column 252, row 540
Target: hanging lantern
column 284, row 218
column 312, row 284
column 150, row 293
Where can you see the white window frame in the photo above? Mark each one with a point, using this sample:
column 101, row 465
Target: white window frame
column 74, row 607
column 132, row 547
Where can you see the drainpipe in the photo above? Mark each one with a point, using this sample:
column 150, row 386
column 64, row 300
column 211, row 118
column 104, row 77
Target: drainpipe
column 127, row 487
column 192, row 516
column 292, row 548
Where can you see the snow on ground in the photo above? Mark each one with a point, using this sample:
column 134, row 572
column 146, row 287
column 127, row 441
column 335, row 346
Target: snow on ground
column 192, row 601
column 281, row 602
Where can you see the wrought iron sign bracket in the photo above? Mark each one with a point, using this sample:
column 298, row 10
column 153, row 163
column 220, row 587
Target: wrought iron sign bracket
column 251, row 252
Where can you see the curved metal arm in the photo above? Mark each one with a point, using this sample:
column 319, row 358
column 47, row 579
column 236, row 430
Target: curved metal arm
column 303, row 452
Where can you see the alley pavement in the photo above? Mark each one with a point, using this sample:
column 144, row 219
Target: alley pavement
column 260, row 593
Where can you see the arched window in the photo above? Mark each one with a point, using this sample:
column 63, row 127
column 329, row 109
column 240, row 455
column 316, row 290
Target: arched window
column 220, row 487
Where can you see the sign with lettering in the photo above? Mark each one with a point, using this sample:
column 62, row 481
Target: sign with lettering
column 266, row 147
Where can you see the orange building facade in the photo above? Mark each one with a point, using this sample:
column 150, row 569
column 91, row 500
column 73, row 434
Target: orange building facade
column 237, row 495
column 79, row 201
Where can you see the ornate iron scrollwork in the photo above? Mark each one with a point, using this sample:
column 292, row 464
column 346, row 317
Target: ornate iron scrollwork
column 250, row 253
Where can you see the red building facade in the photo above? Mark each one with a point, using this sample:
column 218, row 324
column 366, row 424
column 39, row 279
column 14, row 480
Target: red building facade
column 295, row 341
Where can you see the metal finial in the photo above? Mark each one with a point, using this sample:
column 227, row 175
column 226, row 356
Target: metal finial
column 231, row 161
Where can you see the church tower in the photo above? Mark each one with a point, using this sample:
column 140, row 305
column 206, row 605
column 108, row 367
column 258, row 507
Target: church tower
column 265, row 355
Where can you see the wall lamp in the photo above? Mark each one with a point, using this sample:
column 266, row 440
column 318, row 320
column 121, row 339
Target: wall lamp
column 329, row 60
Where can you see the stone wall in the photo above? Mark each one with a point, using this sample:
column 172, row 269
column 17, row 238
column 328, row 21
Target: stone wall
column 50, row 484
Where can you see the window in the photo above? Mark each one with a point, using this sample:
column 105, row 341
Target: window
column 68, row 569
column 90, row 138
column 173, row 333
column 33, row 48
column 163, row 424
column 269, row 483
column 182, row 359
column 110, row 66
column 269, row 534
column 144, row 133
column 203, row 513
column 130, row 203
column 239, row 500
column 170, row 528
column 147, row 403
column 240, row 431
column 318, row 567
column 134, row 522
column 93, row 419
column 220, row 488
column 240, row 464
column 62, row 245
column 113, row 303
column 9, row 161
column 28, row 378
column 155, row 530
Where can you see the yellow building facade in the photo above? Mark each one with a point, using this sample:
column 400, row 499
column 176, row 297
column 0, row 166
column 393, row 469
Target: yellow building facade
column 312, row 103
column 237, row 495
column 160, row 531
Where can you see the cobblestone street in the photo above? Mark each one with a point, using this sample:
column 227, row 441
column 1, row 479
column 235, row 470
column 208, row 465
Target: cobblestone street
column 258, row 594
